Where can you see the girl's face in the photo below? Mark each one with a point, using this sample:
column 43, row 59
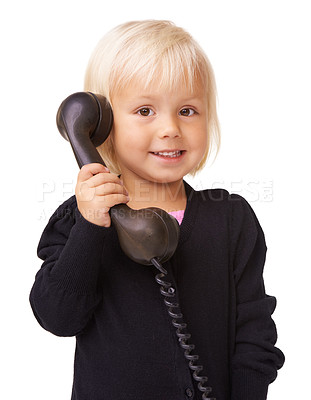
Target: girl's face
column 159, row 136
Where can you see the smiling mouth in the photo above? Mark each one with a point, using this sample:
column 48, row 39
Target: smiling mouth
column 169, row 154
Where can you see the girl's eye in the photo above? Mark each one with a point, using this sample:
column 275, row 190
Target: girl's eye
column 187, row 112
column 145, row 112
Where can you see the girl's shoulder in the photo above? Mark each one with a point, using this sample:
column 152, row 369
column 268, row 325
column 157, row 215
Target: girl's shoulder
column 61, row 221
column 219, row 199
column 231, row 206
column 67, row 208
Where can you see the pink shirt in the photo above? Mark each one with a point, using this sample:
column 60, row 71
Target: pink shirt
column 179, row 215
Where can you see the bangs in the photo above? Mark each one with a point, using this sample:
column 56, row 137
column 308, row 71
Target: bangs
column 168, row 64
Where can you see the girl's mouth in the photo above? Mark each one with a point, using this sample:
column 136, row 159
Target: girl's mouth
column 168, row 154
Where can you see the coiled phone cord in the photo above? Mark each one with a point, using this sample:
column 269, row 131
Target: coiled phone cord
column 168, row 291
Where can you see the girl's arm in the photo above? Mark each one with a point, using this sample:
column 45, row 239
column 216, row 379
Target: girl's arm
column 65, row 294
column 256, row 359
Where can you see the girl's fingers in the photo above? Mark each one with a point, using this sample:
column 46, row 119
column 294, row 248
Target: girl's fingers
column 89, row 170
column 112, row 199
column 101, row 178
column 110, row 188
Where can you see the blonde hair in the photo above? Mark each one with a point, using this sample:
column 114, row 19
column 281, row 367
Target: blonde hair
column 145, row 51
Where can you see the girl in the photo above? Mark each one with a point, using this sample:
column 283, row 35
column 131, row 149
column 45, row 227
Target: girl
column 162, row 91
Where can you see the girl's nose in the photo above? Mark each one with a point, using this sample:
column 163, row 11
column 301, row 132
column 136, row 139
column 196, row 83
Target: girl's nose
column 169, row 127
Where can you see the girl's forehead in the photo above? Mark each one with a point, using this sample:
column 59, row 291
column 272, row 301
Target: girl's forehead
column 137, row 88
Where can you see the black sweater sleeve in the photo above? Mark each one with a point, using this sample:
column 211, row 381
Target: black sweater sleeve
column 256, row 359
column 64, row 294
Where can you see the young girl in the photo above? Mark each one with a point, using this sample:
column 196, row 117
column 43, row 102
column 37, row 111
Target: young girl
column 162, row 91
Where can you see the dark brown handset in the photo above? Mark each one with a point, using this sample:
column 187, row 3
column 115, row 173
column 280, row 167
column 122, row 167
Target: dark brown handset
column 148, row 236
column 85, row 120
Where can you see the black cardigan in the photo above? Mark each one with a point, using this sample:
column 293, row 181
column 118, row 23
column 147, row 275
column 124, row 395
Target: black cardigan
column 126, row 346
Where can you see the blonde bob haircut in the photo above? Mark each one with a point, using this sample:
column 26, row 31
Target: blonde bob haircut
column 146, row 51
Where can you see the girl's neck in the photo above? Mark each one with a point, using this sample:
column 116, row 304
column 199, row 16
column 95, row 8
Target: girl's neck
column 168, row 196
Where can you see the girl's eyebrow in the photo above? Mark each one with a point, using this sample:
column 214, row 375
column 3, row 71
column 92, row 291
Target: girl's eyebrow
column 145, row 97
column 152, row 98
column 186, row 99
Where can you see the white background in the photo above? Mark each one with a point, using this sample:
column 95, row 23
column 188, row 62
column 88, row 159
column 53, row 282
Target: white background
column 260, row 51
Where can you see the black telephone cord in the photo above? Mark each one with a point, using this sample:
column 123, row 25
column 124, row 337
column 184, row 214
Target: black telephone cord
column 168, row 291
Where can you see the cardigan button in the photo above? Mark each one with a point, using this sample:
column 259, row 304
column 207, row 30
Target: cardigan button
column 189, row 392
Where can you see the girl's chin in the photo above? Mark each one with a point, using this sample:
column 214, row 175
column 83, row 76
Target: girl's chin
column 163, row 178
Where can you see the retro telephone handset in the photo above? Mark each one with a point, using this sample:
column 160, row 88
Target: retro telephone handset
column 148, row 236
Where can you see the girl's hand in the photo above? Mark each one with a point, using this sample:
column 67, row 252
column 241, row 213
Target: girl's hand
column 97, row 190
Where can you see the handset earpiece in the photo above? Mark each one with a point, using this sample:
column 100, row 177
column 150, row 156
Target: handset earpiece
column 85, row 120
